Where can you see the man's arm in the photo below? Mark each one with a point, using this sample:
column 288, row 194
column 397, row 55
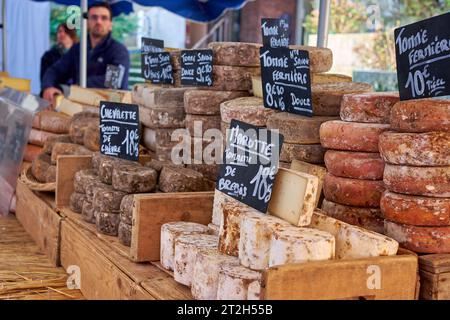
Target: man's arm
column 122, row 57
column 59, row 72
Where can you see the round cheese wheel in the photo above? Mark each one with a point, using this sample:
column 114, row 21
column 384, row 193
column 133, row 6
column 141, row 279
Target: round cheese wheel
column 248, row 109
column 60, row 149
column 50, row 176
column 238, row 283
column 353, row 192
column 235, row 53
column 174, row 179
column 124, row 234
column 351, row 136
column 162, row 116
column 83, row 178
column 197, row 125
column 50, row 142
column 355, row 165
column 52, row 121
column 91, row 188
column 87, row 212
column 79, row 125
column 311, row 153
column 126, row 209
column 132, row 178
column 416, row 149
column 209, row 171
column 39, row 137
column 91, row 138
column 107, row 223
column 76, row 202
column 107, row 200
column 415, row 210
column 421, row 181
column 39, row 167
column 106, row 166
column 207, row 102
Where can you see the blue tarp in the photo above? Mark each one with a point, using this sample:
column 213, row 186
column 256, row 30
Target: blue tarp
column 196, row 10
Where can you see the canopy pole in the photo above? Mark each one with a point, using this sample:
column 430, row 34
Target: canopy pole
column 324, row 18
column 4, row 39
column 83, row 43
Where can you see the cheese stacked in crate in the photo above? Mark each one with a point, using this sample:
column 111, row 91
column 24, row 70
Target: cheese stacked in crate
column 416, row 204
column 354, row 184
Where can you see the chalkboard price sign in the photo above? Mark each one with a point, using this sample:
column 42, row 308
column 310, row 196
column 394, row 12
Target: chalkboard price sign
column 114, row 76
column 423, row 58
column 151, row 45
column 275, row 33
column 158, row 68
column 286, row 80
column 250, row 162
column 119, row 130
column 196, row 67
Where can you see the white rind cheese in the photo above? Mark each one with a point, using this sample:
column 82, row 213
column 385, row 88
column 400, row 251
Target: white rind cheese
column 238, row 283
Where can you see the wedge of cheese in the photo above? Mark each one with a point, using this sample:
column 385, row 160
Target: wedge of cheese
column 311, row 169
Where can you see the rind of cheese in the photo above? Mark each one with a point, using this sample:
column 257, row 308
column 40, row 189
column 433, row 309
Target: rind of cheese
column 161, row 97
column 197, row 125
column 354, row 165
column 107, row 223
column 31, row 152
column 162, row 116
column 76, row 202
column 124, row 233
column 50, row 142
column 311, row 153
column 39, row 137
column 51, row 121
column 126, row 209
column 61, row 148
column 131, row 178
column 82, row 178
column 235, row 53
column 91, row 138
column 207, row 102
column 213, row 229
column 315, row 170
column 238, row 283
column 174, row 179
column 247, row 109
column 108, row 200
column 87, row 212
column 219, row 199
column 40, row 166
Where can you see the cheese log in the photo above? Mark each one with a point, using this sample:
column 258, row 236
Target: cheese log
column 415, row 210
column 107, row 200
column 87, row 212
column 420, row 239
column 297, row 129
column 31, row 152
column 229, row 231
column 416, row 149
column 311, row 169
column 162, row 116
column 91, row 138
column 51, row 121
column 373, row 107
column 367, row 218
column 290, row 244
column 351, row 136
column 197, row 125
column 39, row 137
column 205, row 276
column 79, row 125
column 159, row 97
column 131, row 178
column 82, row 179
column 248, row 109
column 107, row 223
column 169, row 233
column 50, row 176
column 294, row 196
column 355, row 165
column 40, row 166
column 61, row 148
column 256, row 230
column 424, row 115
column 76, row 202
column 174, row 179
column 238, row 283
column 209, row 171
column 312, row 153
column 220, row 199
column 48, row 145
column 186, row 248
column 93, row 187
column 207, row 102
column 235, row 53
column 96, row 159
column 213, row 229
column 353, row 242
column 124, row 234
column 420, row 181
column 353, row 192
column 126, row 209
column 327, row 97
column 106, row 166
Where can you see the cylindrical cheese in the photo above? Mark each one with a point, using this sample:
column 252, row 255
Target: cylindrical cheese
column 162, row 116
column 50, row 176
column 197, row 125
column 40, row 166
column 87, row 212
column 311, row 153
column 51, row 121
column 355, row 165
column 174, row 179
column 91, row 138
column 93, row 187
column 126, row 209
column 107, row 200
column 83, row 178
column 76, row 202
column 207, row 102
column 248, row 109
column 230, row 227
column 132, row 178
column 124, row 234
column 79, row 125
column 60, row 149
column 50, row 142
column 39, row 137
column 107, row 223
column 238, row 283
column 235, row 53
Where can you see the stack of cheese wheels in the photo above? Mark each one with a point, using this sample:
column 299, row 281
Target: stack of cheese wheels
column 354, row 182
column 416, row 204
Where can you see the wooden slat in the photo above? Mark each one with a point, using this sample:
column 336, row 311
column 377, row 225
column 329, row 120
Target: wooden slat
column 151, row 211
column 162, row 286
column 435, row 263
column 40, row 221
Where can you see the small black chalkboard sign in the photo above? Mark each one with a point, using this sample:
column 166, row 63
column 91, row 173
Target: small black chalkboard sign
column 275, row 33
column 286, row 81
column 114, row 76
column 119, row 130
column 250, row 162
column 196, row 67
column 423, row 58
column 158, row 68
column 151, row 45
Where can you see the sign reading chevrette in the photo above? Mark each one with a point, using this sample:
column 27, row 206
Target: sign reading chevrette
column 423, row 58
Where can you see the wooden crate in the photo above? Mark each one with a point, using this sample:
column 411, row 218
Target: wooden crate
column 434, row 270
column 150, row 211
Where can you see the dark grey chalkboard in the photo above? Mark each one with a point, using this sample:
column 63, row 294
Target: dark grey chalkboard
column 158, row 68
column 275, row 33
column 196, row 67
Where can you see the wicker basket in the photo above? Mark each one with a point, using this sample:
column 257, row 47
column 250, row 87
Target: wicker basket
column 30, row 181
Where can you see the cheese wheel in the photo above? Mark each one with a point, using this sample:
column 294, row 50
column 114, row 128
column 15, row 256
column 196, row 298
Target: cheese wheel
column 319, row 78
column 96, row 159
column 424, row 115
column 40, row 166
column 169, row 233
column 162, row 116
column 248, row 109
column 106, row 167
column 50, row 142
column 327, row 97
column 207, row 102
column 205, row 276
column 238, row 283
column 132, row 178
column 229, row 232
column 79, row 125
column 197, row 125
column 39, row 137
column 91, row 138
column 155, row 96
column 76, row 202
column 107, row 223
column 355, row 165
column 51, row 121
column 420, row 239
column 87, row 212
column 353, row 242
column 213, row 229
column 235, row 53
column 136, row 93
column 311, row 153
column 31, row 152
column 82, row 179
column 351, row 136
column 415, row 210
column 61, row 148
column 220, row 199
column 299, row 245
column 159, row 165
column 353, row 192
column 416, row 149
column 373, row 107
column 154, row 138
column 311, row 169
column 209, row 171
column 126, row 209
column 186, row 248
column 297, row 129
column 93, row 187
column 173, row 179
column 421, row 181
column 256, row 230
column 124, row 234
column 368, row 218
column 50, row 176
column 107, row 200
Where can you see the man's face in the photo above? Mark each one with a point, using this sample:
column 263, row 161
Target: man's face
column 99, row 22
